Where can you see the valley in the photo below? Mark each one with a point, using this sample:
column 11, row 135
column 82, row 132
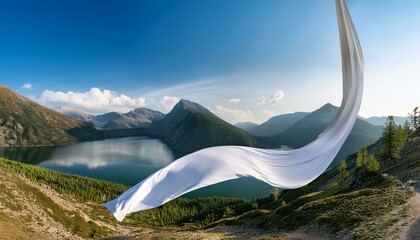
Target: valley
column 40, row 208
column 41, row 202
column 181, row 129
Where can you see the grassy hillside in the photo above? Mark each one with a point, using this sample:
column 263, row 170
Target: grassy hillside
column 408, row 166
column 335, row 212
column 379, row 207
column 405, row 168
column 89, row 218
column 26, row 123
column 41, row 202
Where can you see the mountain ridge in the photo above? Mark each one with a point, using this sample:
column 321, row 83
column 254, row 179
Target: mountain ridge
column 277, row 124
column 380, row 120
column 190, row 127
column 136, row 118
column 247, row 126
column 308, row 128
column 24, row 122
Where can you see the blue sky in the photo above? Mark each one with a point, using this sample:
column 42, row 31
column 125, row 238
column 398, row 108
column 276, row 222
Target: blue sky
column 246, row 60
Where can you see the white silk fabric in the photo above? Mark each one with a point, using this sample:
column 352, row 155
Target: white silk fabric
column 279, row 168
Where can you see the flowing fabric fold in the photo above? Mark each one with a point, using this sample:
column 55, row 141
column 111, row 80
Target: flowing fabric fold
column 284, row 169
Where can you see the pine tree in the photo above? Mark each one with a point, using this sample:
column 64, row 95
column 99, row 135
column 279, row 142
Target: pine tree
column 362, row 158
column 407, row 127
column 373, row 164
column 367, row 162
column 415, row 120
column 344, row 174
column 394, row 138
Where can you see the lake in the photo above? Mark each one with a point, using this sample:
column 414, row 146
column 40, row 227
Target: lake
column 127, row 161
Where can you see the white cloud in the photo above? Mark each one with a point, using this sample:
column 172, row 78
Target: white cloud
column 234, row 100
column 197, row 90
column 169, row 102
column 95, row 100
column 233, row 115
column 277, row 96
column 27, row 86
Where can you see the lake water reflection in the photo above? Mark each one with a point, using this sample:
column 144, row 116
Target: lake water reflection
column 124, row 160
column 114, row 152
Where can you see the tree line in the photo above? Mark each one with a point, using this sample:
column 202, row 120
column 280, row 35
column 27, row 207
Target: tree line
column 180, row 211
column 394, row 138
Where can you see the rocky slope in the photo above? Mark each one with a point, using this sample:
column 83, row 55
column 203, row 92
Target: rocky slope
column 75, row 113
column 26, row 123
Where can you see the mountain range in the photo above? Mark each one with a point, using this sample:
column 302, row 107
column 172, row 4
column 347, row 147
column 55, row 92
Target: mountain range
column 295, row 130
column 139, row 117
column 380, row 121
column 308, row 128
column 276, row 125
column 247, row 126
column 186, row 128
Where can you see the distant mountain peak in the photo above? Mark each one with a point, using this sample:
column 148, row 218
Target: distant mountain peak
column 186, row 105
column 328, row 106
column 139, row 109
column 63, row 110
column 179, row 113
column 328, row 112
column 6, row 89
column 139, row 117
column 144, row 110
column 189, row 127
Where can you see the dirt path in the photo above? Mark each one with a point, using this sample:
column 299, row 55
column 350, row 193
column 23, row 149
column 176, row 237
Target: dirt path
column 249, row 233
column 408, row 227
column 413, row 232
